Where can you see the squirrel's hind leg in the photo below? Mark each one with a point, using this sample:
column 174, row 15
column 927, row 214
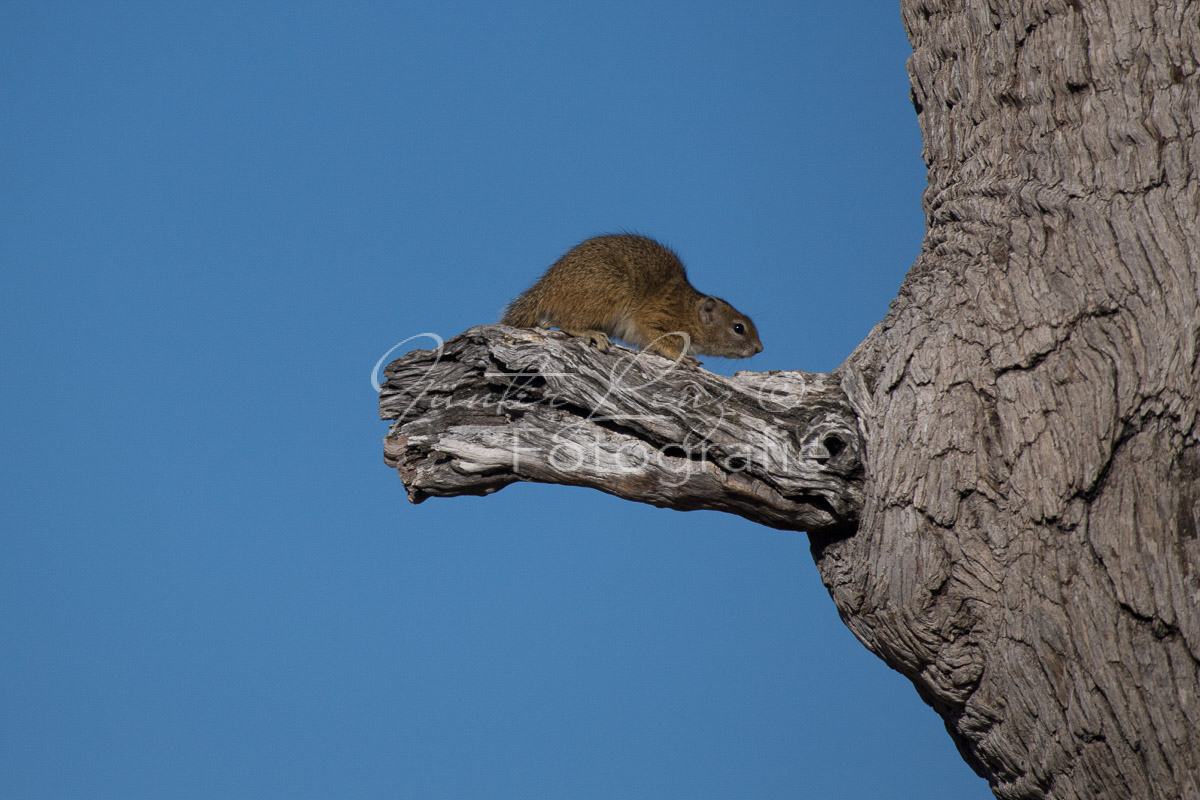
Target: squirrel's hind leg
column 598, row 338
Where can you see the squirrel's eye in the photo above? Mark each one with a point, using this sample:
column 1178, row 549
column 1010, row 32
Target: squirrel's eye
column 739, row 328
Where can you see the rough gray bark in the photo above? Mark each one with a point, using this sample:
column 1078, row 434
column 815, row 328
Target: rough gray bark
column 1026, row 547
column 499, row 404
column 1033, row 470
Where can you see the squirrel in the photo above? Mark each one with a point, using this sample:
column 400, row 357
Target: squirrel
column 632, row 288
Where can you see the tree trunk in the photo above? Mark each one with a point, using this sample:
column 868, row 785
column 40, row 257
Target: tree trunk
column 1003, row 480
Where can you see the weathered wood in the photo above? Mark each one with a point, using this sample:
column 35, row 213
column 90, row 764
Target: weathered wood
column 1013, row 520
column 499, row 404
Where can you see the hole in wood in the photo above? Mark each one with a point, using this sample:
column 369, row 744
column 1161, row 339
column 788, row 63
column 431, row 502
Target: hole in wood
column 834, row 445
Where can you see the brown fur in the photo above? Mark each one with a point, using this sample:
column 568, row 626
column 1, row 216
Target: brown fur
column 632, row 288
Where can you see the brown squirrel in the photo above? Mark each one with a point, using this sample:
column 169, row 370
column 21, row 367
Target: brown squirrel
column 634, row 289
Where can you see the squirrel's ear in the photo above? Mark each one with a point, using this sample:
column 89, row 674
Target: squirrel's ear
column 708, row 310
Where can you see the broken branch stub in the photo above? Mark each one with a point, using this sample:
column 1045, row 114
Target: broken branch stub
column 497, row 404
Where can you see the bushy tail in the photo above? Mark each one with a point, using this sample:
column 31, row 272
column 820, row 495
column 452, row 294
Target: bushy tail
column 522, row 312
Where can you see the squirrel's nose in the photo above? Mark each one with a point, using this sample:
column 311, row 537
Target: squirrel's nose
column 758, row 349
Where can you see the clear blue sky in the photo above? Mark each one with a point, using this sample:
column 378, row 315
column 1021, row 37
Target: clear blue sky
column 217, row 216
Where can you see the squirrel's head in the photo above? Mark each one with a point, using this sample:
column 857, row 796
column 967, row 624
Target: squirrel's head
column 724, row 331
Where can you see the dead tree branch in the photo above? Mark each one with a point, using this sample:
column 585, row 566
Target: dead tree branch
column 497, row 405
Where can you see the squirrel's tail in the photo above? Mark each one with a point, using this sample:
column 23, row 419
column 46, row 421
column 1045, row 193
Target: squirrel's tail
column 522, row 312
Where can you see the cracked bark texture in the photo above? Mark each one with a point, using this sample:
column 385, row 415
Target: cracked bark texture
column 1028, row 549
column 497, row 404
